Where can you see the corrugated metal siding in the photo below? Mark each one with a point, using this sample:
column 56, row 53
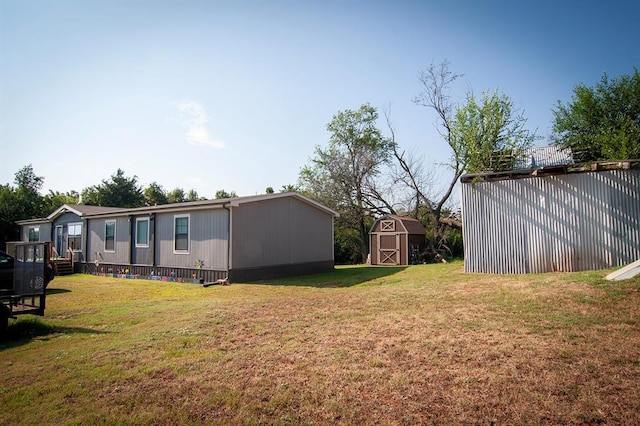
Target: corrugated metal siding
column 208, row 233
column 568, row 222
column 280, row 231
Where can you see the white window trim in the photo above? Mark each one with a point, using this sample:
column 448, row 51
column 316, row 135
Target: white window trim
column 34, row 229
column 74, row 224
column 177, row 216
column 69, row 225
column 114, row 236
column 143, row 219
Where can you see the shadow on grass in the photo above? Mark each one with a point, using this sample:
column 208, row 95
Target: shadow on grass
column 22, row 331
column 341, row 276
column 57, row 291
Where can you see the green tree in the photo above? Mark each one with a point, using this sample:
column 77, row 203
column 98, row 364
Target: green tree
column 176, row 196
column 118, row 191
column 54, row 200
column 290, row 188
column 347, row 247
column 269, row 190
column 221, row 193
column 483, row 134
column 487, row 136
column 155, row 195
column 27, row 193
column 20, row 202
column 192, row 195
column 343, row 174
column 9, row 212
column 601, row 122
column 26, row 180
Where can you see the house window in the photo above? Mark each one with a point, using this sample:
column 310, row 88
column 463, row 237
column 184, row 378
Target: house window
column 110, row 235
column 34, row 233
column 74, row 236
column 142, row 232
column 181, row 233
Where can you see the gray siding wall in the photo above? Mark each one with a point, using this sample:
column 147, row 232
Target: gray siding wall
column 278, row 232
column 142, row 256
column 95, row 243
column 568, row 222
column 45, row 232
column 64, row 220
column 208, row 233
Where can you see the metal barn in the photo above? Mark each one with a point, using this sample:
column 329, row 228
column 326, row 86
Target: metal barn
column 396, row 240
column 561, row 218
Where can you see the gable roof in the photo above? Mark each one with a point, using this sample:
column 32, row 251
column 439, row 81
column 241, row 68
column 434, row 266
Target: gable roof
column 234, row 202
column 216, row 203
column 99, row 211
column 411, row 225
column 81, row 210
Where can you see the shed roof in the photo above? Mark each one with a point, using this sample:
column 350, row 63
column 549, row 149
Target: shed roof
column 410, row 224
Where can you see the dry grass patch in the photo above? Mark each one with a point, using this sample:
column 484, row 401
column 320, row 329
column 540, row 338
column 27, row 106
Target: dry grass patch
column 424, row 344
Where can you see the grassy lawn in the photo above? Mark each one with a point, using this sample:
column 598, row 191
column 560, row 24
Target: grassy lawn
column 360, row 345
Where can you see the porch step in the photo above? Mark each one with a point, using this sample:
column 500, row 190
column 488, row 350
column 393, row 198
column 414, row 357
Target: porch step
column 63, row 267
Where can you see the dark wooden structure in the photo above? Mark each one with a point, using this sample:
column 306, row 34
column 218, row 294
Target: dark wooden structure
column 396, row 240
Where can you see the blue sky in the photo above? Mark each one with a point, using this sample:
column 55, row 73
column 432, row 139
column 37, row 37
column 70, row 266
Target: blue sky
column 235, row 95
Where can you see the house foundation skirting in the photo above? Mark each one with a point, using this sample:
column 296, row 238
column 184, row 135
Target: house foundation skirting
column 163, row 273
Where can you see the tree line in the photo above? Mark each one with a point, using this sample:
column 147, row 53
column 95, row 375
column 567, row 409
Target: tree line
column 23, row 199
column 364, row 173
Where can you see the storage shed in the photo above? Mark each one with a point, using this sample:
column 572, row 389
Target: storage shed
column 557, row 218
column 396, row 240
